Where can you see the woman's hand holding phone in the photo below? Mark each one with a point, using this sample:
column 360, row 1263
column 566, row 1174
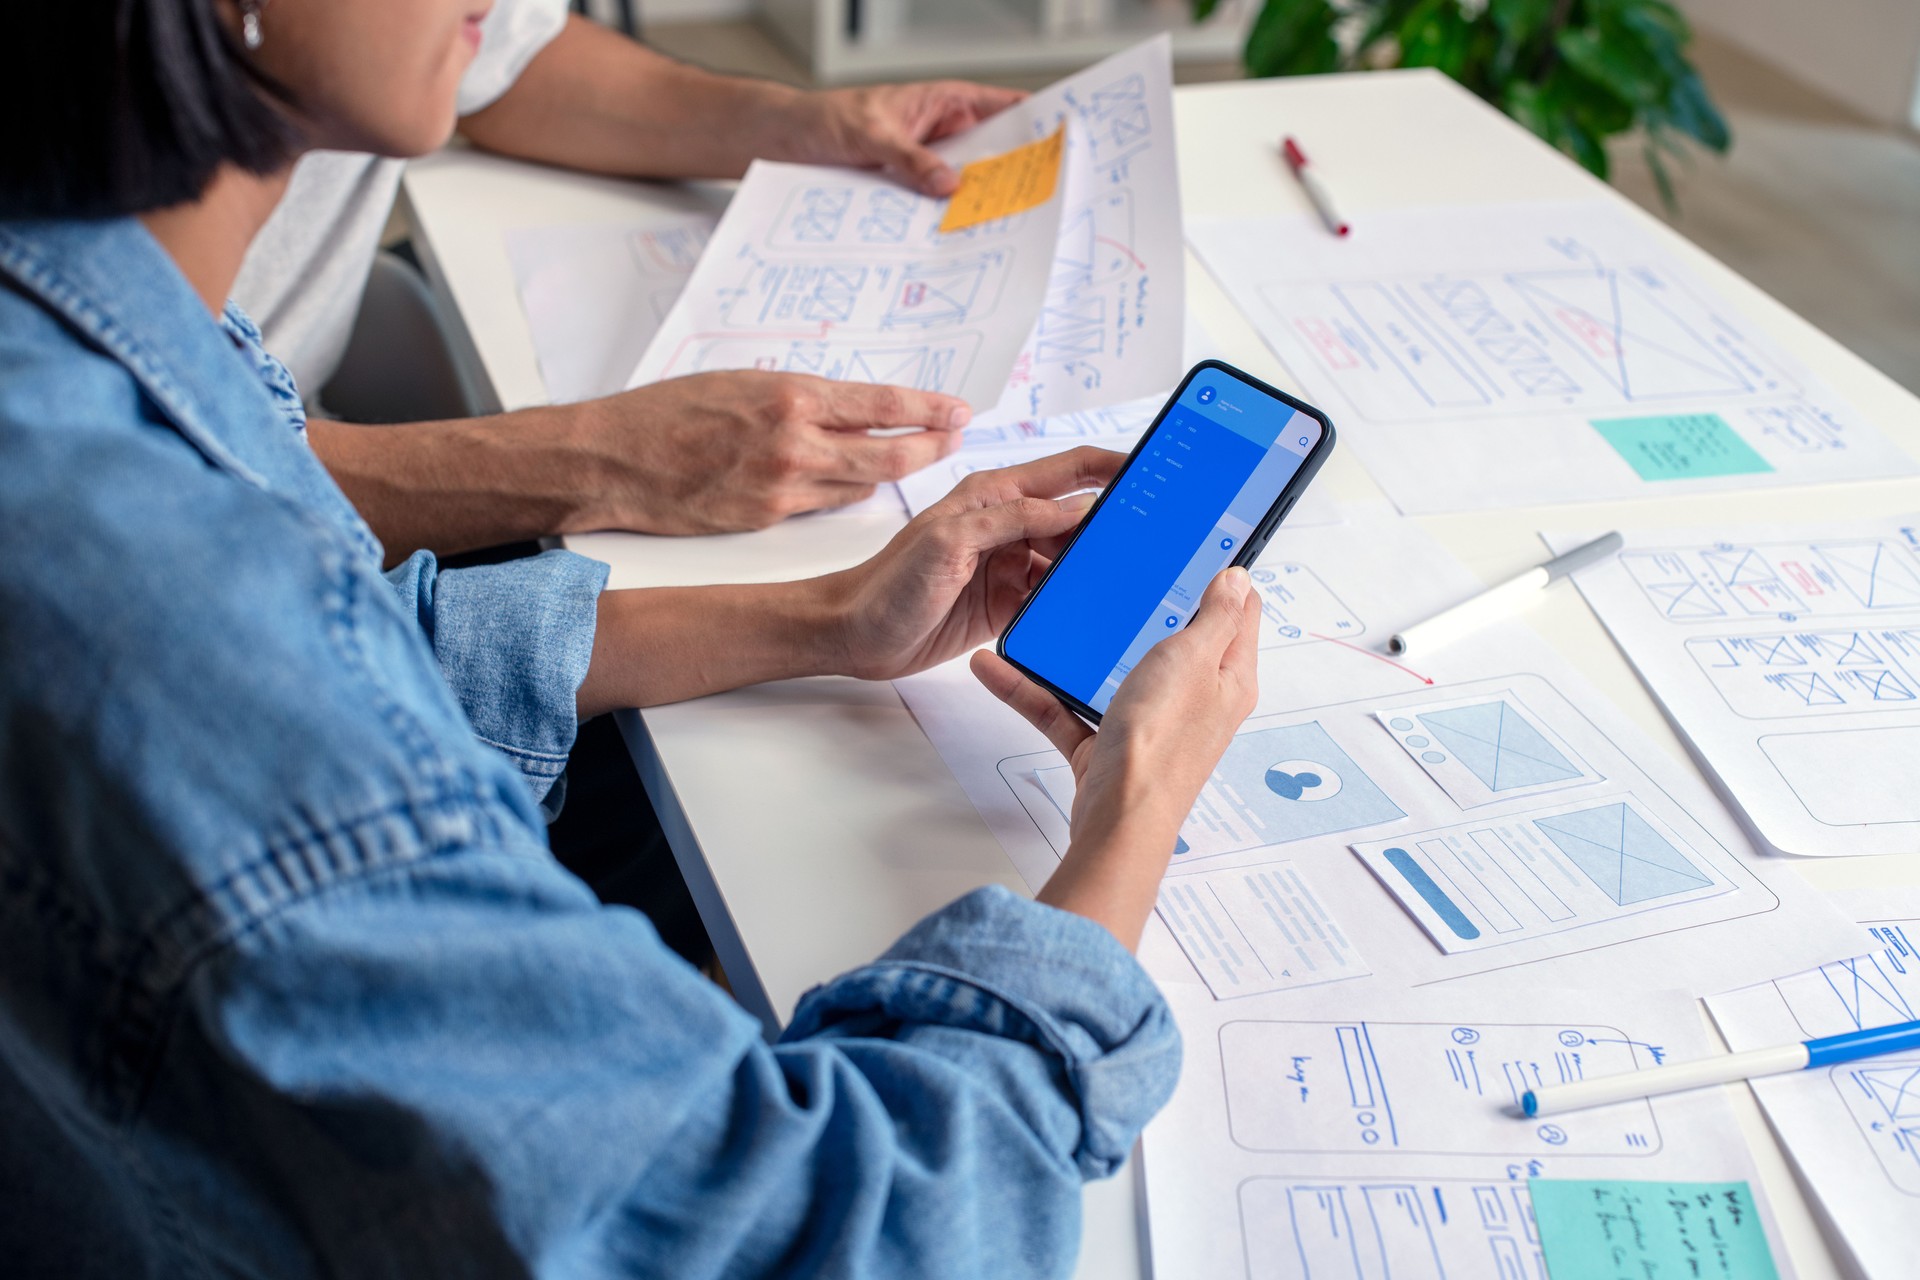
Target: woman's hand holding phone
column 961, row 569
column 1139, row 775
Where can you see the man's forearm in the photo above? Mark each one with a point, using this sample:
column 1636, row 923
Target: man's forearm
column 456, row 486
column 595, row 100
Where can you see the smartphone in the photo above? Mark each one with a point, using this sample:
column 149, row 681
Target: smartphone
column 1205, row 488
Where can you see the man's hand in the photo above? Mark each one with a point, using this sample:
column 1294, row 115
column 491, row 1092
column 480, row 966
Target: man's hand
column 888, row 127
column 720, row 452
column 959, row 570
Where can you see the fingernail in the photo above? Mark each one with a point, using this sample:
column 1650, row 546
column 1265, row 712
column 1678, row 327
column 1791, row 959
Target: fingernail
column 1239, row 583
column 959, row 417
column 1077, row 502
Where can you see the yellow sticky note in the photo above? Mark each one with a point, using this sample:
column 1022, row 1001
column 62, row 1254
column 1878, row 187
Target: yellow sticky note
column 1003, row 185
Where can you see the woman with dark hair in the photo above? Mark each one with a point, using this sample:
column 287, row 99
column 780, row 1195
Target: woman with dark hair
column 288, row 981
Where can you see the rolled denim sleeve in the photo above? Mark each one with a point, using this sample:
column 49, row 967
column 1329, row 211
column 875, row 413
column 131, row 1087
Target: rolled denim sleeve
column 513, row 641
column 1005, row 968
column 471, row 1068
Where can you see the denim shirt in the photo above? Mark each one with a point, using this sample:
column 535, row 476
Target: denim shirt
column 289, row 982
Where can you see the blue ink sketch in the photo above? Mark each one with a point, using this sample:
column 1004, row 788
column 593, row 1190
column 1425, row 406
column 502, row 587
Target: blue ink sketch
column 1499, row 746
column 1296, row 782
column 1622, row 854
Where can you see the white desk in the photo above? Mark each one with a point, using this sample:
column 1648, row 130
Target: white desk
column 854, row 828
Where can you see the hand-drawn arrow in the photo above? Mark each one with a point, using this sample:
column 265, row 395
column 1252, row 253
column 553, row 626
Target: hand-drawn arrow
column 1377, row 657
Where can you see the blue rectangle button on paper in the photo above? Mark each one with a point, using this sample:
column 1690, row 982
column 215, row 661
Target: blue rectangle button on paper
column 1681, row 446
column 1593, row 1230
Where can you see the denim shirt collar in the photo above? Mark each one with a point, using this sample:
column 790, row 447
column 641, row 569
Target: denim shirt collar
column 117, row 287
column 212, row 380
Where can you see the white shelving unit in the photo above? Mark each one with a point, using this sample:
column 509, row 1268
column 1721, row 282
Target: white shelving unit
column 844, row 40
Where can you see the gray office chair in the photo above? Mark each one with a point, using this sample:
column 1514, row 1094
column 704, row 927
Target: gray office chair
column 399, row 364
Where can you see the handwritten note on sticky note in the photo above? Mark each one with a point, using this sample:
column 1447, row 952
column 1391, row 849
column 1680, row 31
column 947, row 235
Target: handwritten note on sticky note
column 1650, row 1230
column 1681, row 446
column 1009, row 183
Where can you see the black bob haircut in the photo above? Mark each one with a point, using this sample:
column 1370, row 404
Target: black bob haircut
column 115, row 107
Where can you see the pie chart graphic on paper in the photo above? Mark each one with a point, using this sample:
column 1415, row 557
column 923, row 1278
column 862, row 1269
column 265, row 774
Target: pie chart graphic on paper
column 1303, row 780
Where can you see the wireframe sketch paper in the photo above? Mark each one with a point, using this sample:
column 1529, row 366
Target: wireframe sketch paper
column 1254, row 929
column 1519, row 354
column 1376, row 1135
column 595, row 295
column 1565, row 851
column 1109, row 329
column 1004, row 439
column 1790, row 657
column 1853, row 1129
column 845, row 274
column 1008, row 444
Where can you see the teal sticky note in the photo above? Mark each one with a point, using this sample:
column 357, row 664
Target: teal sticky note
column 1593, row 1230
column 1681, row 446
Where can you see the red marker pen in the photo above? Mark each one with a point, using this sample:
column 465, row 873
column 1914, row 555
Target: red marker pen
column 1323, row 202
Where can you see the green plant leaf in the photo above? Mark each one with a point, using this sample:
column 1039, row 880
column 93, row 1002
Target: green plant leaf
column 1203, row 9
column 1593, row 105
column 1693, row 113
column 1575, row 72
column 1523, row 27
column 1662, row 180
column 1292, row 37
column 1647, row 14
column 1519, row 19
column 1384, row 20
column 1620, row 65
column 1567, row 111
column 1436, row 34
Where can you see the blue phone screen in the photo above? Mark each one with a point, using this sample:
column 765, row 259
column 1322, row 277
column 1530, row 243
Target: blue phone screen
column 1204, row 479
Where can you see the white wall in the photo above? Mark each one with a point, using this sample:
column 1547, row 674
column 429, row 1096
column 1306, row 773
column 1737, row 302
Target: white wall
column 1865, row 53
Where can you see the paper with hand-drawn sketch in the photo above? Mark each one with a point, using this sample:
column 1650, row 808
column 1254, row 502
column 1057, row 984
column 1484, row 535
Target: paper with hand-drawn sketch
column 1073, row 303
column 1852, row 1128
column 1582, row 856
column 1789, row 656
column 1518, row 354
column 1374, row 1135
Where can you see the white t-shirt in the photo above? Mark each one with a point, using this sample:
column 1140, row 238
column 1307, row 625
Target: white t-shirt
column 304, row 275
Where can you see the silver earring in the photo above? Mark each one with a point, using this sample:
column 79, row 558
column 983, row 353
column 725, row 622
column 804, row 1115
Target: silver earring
column 250, row 23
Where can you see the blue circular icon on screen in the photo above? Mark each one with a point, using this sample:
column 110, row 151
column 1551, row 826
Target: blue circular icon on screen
column 1206, row 395
column 1226, row 544
column 1303, row 442
column 1172, row 621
